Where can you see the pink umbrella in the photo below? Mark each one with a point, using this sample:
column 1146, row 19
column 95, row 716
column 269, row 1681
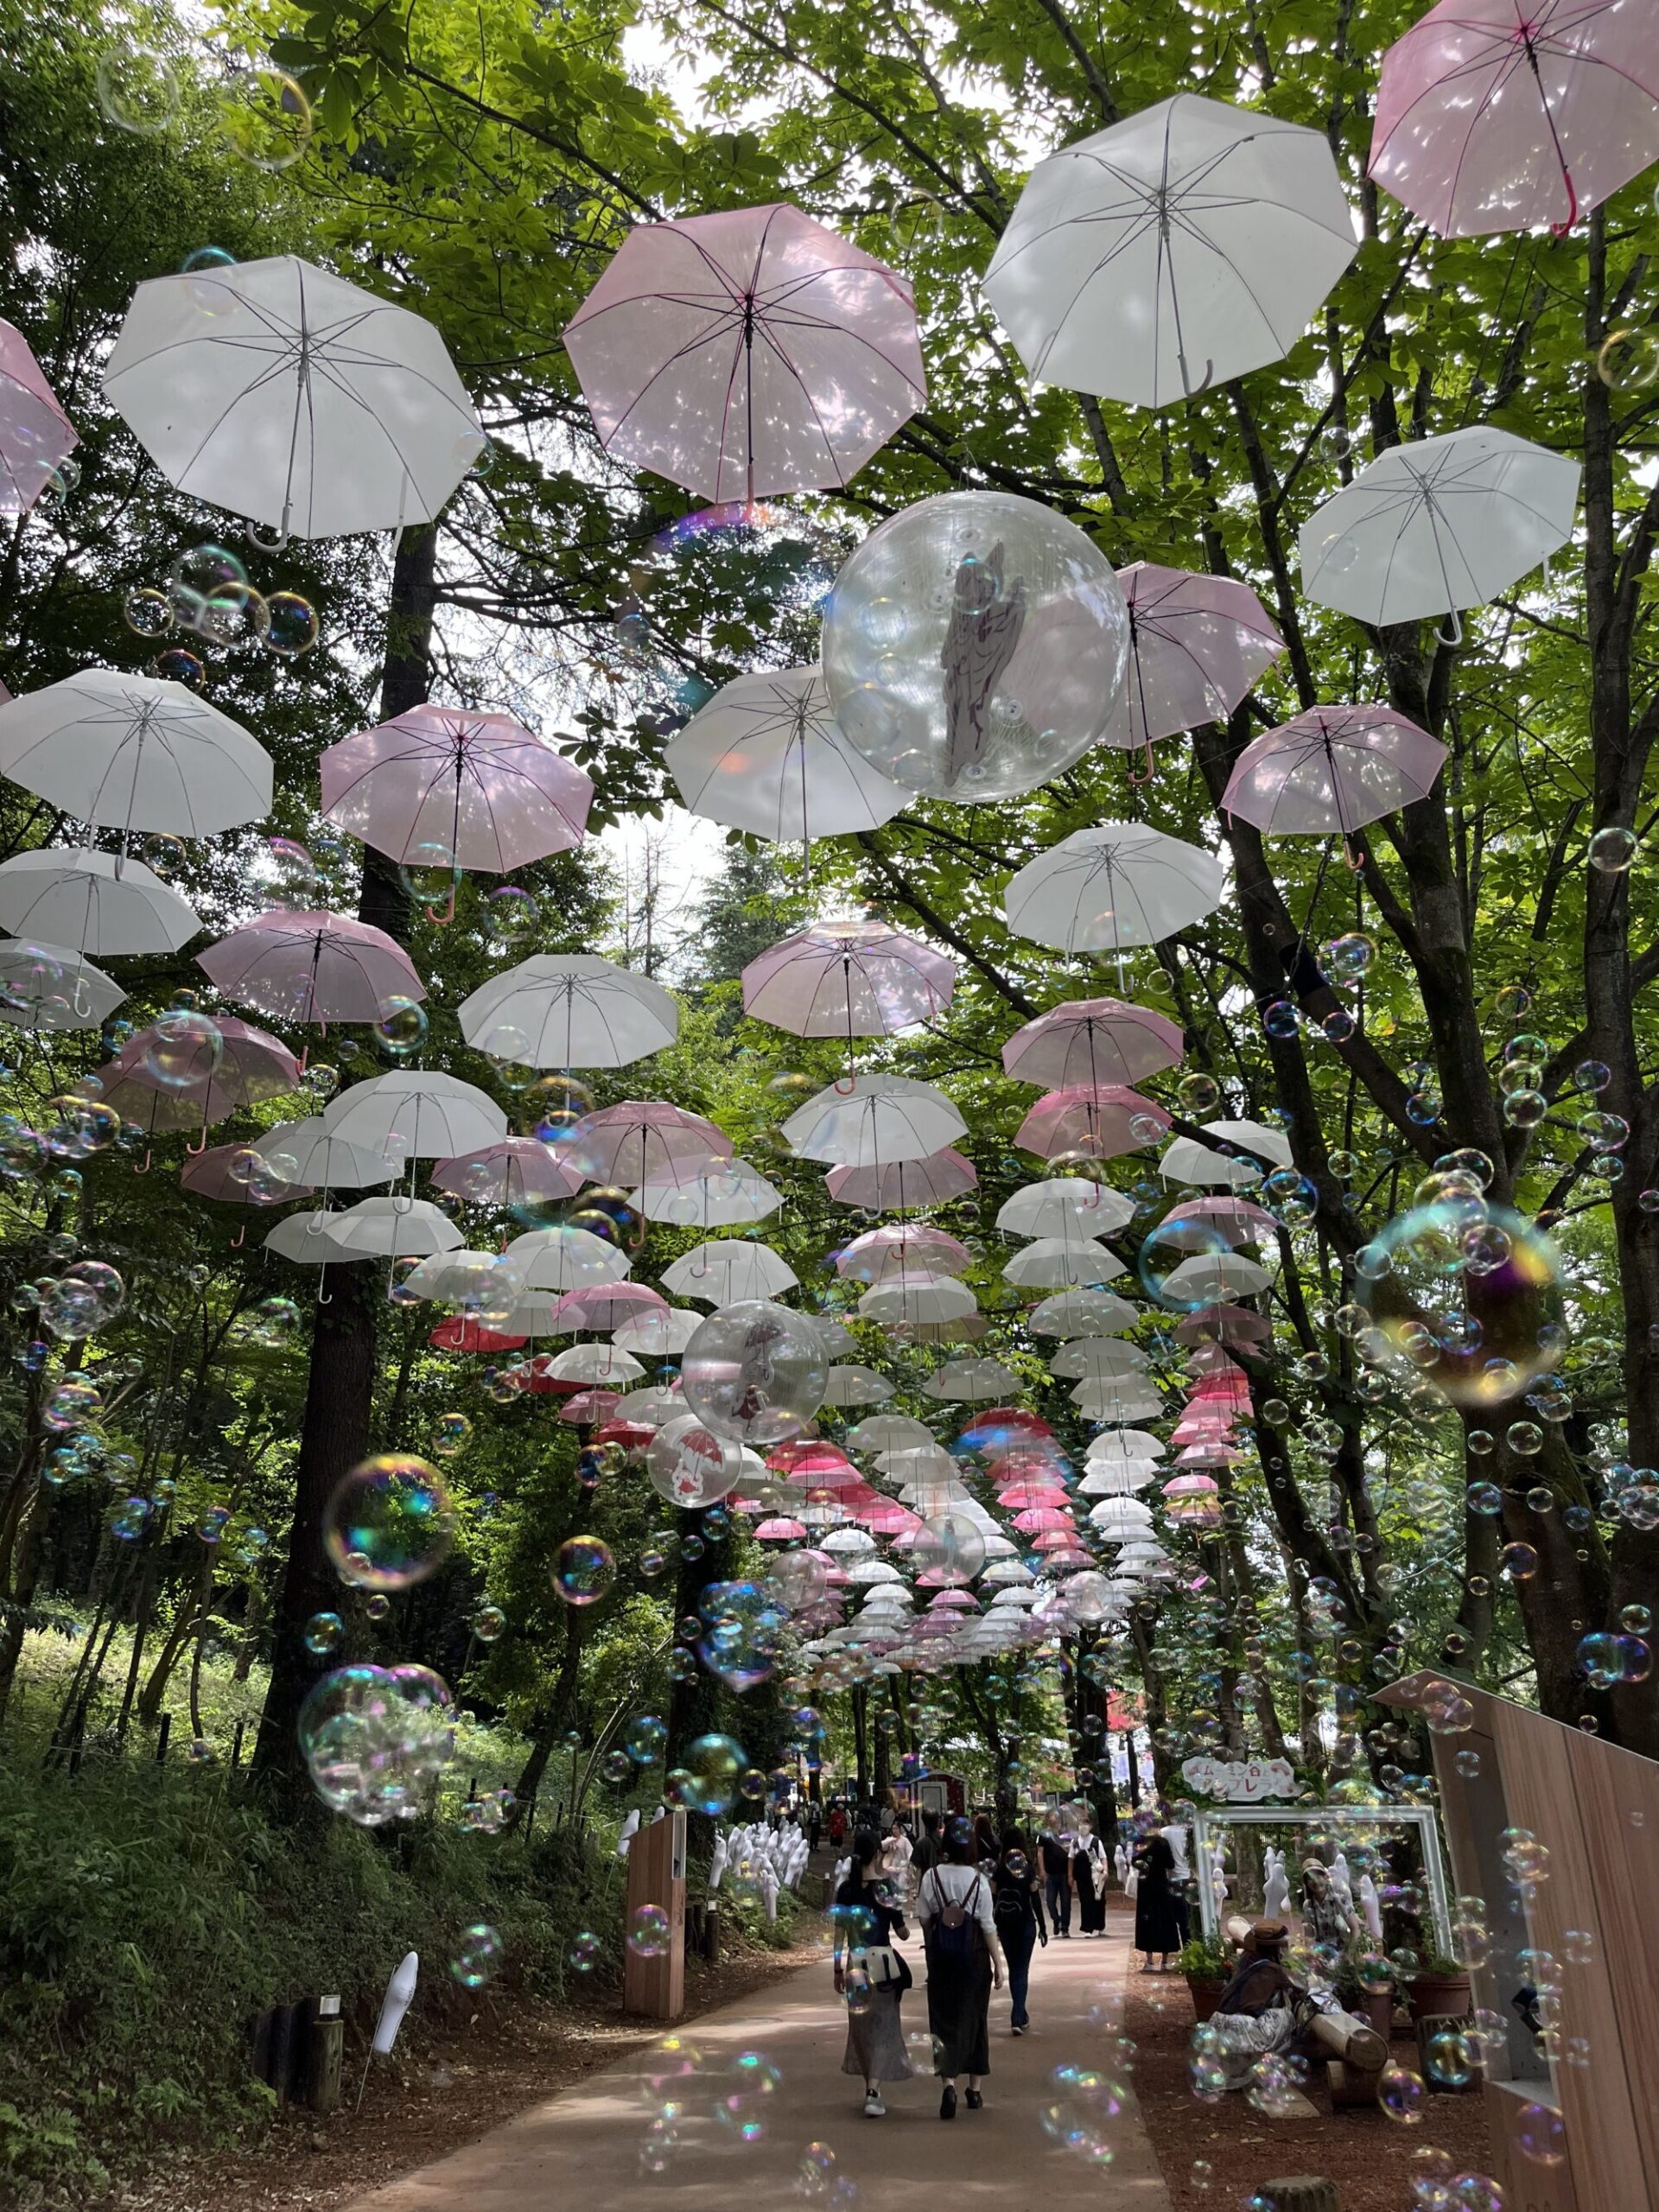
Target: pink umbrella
column 1101, row 1122
column 511, row 1171
column 605, row 1305
column 34, row 432
column 641, row 1140
column 1331, row 771
column 235, row 1174
column 903, row 1185
column 444, row 788
column 1092, row 1041
column 1225, row 1325
column 590, row 1407
column 184, row 1073
column 880, row 1252
column 848, row 979
column 1225, row 1218
column 1496, row 116
column 312, row 966
column 746, row 352
column 1197, row 645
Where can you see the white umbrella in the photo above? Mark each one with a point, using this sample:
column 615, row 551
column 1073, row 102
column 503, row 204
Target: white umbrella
column 1209, row 1278
column 888, row 1433
column 1117, row 1398
column 50, row 987
column 287, row 395
column 594, row 1364
column 308, row 1154
column 394, row 1228
column 873, row 1120
column 768, row 755
column 1053, row 1262
column 717, row 1194
column 971, row 1381
column 561, row 1259
column 1188, row 243
column 1115, row 885
column 839, row 1342
column 570, row 1010
column 92, row 901
column 525, row 1313
column 454, row 1277
column 728, row 1270
column 911, row 1298
column 662, row 1334
column 1186, row 1160
column 1069, row 1205
column 1082, row 1314
column 1096, row 1356
column 1125, row 1444
column 855, row 1384
column 410, row 1115
column 1441, row 524
column 1119, row 1479
column 135, row 753
column 308, row 1239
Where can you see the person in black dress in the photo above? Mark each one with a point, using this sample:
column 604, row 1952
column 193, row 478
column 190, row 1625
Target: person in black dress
column 1157, row 1924
column 866, row 1919
column 964, row 1961
column 1057, row 1879
column 1017, row 1901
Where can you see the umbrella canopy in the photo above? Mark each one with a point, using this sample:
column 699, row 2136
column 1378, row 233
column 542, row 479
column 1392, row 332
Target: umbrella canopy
column 1055, row 1262
column 1103, row 1122
column 1092, row 1041
column 1184, row 245
column 1115, row 1398
column 903, row 1185
column 397, row 1229
column 409, row 1114
column 308, row 1239
column 872, row 1119
column 463, row 1333
column 641, row 1139
column 848, row 979
column 1331, row 770
column 287, row 395
column 1186, row 1160
column 462, row 790
column 1097, row 1356
column 1441, row 523
column 1197, row 645
column 561, row 1259
column 918, row 1298
column 92, row 901
column 728, row 1269
column 1197, row 1224
column 35, row 434
column 1207, row 1278
column 595, row 1364
column 747, row 352
column 49, row 987
column 971, row 1382
column 570, row 1010
column 1224, row 1325
column 1068, row 1205
column 229, row 1173
column 604, row 1304
column 510, row 1172
column 768, row 755
column 309, row 1155
column 662, row 1333
column 915, row 1245
column 711, row 1194
column 186, row 1071
column 888, row 1433
column 1082, row 1314
column 1493, row 117
column 454, row 1276
column 855, row 1384
column 134, row 752
column 1115, row 885
column 306, row 966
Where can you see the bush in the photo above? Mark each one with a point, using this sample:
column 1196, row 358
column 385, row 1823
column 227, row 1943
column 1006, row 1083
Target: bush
column 1205, row 1958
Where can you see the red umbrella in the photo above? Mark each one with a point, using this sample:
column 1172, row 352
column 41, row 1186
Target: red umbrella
column 631, row 1435
column 462, row 1333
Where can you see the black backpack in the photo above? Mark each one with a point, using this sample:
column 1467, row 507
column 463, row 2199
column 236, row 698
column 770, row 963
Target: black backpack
column 957, row 1931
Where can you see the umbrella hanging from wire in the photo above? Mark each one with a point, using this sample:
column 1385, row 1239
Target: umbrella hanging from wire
column 51, row 986
column 1117, row 885
column 189, row 1070
column 1100, row 1123
column 903, row 1185
column 511, row 1172
column 848, row 979
column 1197, row 645
column 1493, row 114
column 1092, row 1041
column 873, row 1120
column 312, row 966
column 747, row 352
column 640, row 1140
column 1065, row 1205
column 1330, row 770
column 92, row 902
column 570, row 1010
column 709, row 1193
column 290, row 396
column 767, row 755
column 35, row 435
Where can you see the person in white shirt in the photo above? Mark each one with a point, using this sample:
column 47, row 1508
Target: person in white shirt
column 965, row 1963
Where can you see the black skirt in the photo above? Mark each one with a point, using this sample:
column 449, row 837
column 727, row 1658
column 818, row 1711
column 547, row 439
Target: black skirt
column 1157, row 1918
column 958, row 2008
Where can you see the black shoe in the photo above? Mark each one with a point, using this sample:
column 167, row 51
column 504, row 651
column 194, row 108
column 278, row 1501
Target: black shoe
column 974, row 2100
column 948, row 2102
column 1019, row 2027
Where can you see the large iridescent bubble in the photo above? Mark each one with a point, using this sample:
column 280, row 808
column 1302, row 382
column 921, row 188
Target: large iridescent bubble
column 1467, row 1293
column 390, row 1523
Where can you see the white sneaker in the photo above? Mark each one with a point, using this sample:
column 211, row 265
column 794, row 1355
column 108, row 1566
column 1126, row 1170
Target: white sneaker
column 873, row 2108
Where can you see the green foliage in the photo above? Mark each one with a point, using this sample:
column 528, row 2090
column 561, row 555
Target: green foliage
column 1204, row 1959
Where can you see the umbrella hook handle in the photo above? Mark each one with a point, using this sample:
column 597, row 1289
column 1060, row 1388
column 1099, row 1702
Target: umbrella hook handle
column 440, row 917
column 304, row 1056
column 240, row 1238
column 278, row 541
column 1146, row 774
column 144, row 1170
column 1353, row 860
column 195, row 1151
column 1455, row 636
column 323, row 1298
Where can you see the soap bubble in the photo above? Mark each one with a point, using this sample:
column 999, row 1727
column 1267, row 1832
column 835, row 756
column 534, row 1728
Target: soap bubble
column 583, row 1570
column 511, row 915
column 324, row 1634
column 428, row 873
column 645, row 1739
column 1197, row 1094
column 690, row 1465
column 389, row 1523
column 401, row 1029
column 293, row 627
column 741, row 2100
column 1539, row 2135
column 87, row 1294
column 617, row 1768
column 273, row 1322
column 147, row 612
column 179, row 665
column 489, row 1623
column 265, row 118
column 478, row 1955
column 585, row 1951
column 377, row 1739
column 1435, row 1269
column 1629, row 360
column 138, row 90
column 973, row 645
column 708, row 1782
column 451, row 1433
column 756, row 1372
column 649, row 1935
column 1400, row 2094
column 72, row 1403
column 1081, row 2105
column 1613, row 849
column 183, row 1050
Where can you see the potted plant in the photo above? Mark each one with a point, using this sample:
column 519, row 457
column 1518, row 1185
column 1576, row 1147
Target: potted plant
column 1439, row 1986
column 1205, row 1966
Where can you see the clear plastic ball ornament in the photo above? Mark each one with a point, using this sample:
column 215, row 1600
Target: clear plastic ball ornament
column 690, row 1465
column 975, row 646
column 756, row 1372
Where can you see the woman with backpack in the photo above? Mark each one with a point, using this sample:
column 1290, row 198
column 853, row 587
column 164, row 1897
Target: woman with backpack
column 871, row 1975
column 1017, row 1903
column 965, row 1963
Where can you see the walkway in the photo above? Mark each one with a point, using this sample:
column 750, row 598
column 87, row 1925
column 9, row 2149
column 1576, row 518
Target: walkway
column 583, row 2148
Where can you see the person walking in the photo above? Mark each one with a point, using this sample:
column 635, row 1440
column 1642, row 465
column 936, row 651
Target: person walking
column 988, row 1844
column 1089, row 1864
column 965, row 1962
column 871, row 1975
column 1017, row 1906
column 814, row 1823
column 1056, row 1878
column 837, row 1824
column 1157, row 1925
column 928, row 1850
